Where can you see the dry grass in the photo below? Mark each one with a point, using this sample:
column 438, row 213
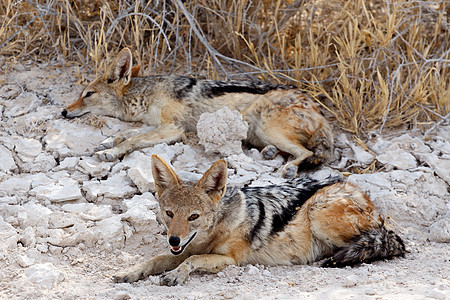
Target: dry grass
column 381, row 63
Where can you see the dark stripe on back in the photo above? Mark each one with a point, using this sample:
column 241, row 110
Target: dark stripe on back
column 219, row 88
column 183, row 86
column 280, row 220
column 262, row 215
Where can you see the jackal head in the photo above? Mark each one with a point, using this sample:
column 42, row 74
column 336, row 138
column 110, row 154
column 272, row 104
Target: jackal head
column 102, row 96
column 189, row 211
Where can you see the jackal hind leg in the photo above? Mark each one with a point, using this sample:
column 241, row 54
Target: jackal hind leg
column 164, row 134
column 294, row 148
column 156, row 265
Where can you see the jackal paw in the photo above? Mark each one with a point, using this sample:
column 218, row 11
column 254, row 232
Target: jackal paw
column 316, row 159
column 107, row 155
column 127, row 277
column 173, row 278
column 106, row 144
column 269, row 152
column 289, row 171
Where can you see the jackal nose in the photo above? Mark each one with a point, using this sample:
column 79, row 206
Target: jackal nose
column 174, row 241
column 64, row 113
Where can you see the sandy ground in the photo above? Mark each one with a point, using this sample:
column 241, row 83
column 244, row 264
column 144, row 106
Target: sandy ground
column 68, row 222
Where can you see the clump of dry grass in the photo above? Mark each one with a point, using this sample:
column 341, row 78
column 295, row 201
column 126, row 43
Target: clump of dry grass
column 381, row 63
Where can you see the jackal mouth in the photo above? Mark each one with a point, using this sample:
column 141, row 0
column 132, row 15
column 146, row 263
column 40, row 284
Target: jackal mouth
column 68, row 115
column 178, row 250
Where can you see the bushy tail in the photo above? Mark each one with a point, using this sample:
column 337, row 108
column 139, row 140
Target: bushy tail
column 375, row 244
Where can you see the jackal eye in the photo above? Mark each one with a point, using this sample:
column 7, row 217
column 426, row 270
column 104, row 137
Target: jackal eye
column 193, row 217
column 88, row 94
column 169, row 213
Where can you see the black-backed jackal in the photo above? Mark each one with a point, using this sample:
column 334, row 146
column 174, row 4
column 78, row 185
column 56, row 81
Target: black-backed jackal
column 298, row 222
column 279, row 117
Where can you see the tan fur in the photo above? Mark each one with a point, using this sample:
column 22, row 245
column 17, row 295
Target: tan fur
column 329, row 219
column 282, row 117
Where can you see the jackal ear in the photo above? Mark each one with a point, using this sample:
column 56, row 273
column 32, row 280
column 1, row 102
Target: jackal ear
column 163, row 175
column 121, row 69
column 214, row 181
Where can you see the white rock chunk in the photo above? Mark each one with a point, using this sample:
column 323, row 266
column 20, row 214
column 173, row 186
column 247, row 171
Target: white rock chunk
column 8, row 234
column 15, row 186
column 34, row 215
column 28, row 237
column 25, row 261
column 410, row 198
column 22, row 104
column 110, row 231
column 396, row 157
column 139, row 213
column 68, row 163
column 140, row 171
column 440, row 230
column 44, row 275
column 362, row 156
column 7, row 162
column 222, row 131
column 94, row 167
column 65, row 189
column 89, row 211
column 117, row 186
column 72, row 138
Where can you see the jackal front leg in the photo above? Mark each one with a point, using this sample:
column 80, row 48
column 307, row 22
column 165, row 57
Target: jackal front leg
column 154, row 266
column 166, row 133
column 206, row 262
column 121, row 136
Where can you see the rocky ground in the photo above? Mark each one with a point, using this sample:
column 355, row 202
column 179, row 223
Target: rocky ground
column 68, row 221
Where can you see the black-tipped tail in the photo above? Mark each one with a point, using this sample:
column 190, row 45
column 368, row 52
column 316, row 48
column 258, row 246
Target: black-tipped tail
column 375, row 244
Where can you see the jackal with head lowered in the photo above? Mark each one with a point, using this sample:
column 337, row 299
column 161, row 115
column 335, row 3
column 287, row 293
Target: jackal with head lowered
column 280, row 117
column 297, row 222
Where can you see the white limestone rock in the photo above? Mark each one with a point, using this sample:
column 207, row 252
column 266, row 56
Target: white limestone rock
column 440, row 230
column 222, row 131
column 33, row 215
column 139, row 210
column 361, row 155
column 69, row 163
column 7, row 162
column 27, row 149
column 146, row 200
column 397, row 153
column 89, row 211
column 17, row 186
column 140, row 171
column 72, row 138
column 110, row 232
column 22, row 104
column 28, row 237
column 411, row 199
column 396, row 157
column 165, row 151
column 117, row 186
column 65, row 189
column 25, row 261
column 94, row 167
column 8, row 234
column 45, row 275
column 60, row 219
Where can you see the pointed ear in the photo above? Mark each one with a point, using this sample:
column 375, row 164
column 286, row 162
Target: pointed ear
column 121, row 68
column 163, row 175
column 214, row 181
